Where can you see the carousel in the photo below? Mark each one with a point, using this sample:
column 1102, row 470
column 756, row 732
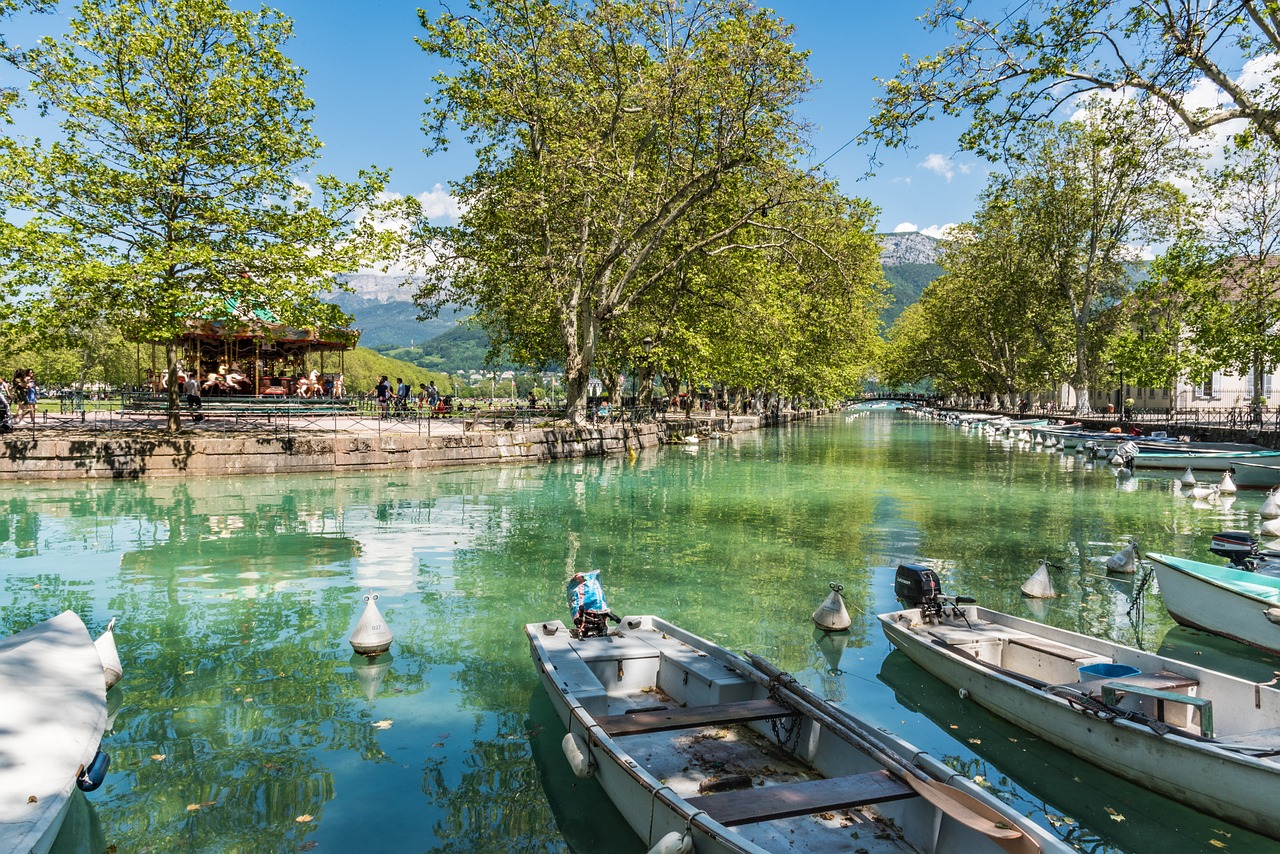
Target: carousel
column 254, row 355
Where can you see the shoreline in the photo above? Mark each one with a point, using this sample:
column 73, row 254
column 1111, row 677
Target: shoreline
column 66, row 455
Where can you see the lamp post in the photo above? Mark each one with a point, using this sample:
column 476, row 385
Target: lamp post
column 647, row 344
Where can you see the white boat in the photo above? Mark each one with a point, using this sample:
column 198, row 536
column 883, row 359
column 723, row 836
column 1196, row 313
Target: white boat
column 1256, row 475
column 1233, row 603
column 1209, row 740
column 1203, row 459
column 702, row 750
column 55, row 709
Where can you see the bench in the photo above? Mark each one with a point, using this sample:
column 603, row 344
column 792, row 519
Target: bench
column 1112, row 691
column 664, row 720
column 1057, row 650
column 788, row 800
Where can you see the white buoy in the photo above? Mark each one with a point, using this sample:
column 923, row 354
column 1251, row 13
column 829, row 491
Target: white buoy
column 1271, row 527
column 1125, row 560
column 674, row 842
column 1227, row 486
column 1039, row 585
column 1203, row 492
column 112, row 670
column 1270, row 508
column 371, row 637
column 1188, row 477
column 577, row 754
column 1124, row 473
column 832, row 616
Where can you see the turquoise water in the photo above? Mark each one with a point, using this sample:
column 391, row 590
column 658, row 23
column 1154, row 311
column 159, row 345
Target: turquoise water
column 244, row 723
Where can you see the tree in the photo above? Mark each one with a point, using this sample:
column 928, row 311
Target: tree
column 618, row 143
column 1009, row 72
column 1087, row 194
column 176, row 189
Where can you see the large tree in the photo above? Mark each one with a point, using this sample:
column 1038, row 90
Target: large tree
column 178, row 185
column 1006, row 68
column 619, row 145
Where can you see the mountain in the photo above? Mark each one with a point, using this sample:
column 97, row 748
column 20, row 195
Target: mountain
column 385, row 314
column 908, row 247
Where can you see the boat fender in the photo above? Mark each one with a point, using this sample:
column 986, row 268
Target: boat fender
column 93, row 776
column 576, row 752
column 673, row 843
column 1272, row 615
column 964, row 693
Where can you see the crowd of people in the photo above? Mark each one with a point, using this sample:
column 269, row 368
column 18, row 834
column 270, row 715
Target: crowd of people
column 21, row 398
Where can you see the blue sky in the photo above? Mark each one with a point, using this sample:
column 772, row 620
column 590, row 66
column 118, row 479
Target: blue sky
column 368, row 79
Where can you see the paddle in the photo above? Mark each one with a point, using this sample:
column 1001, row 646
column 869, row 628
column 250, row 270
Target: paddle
column 960, row 805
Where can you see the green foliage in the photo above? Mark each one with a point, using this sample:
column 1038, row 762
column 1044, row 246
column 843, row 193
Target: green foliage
column 179, row 179
column 391, row 324
column 1018, row 70
column 362, row 368
column 621, row 146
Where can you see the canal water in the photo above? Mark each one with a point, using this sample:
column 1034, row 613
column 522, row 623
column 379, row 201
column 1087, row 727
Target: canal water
column 245, row 724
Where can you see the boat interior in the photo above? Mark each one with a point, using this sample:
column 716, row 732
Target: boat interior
column 729, row 746
column 1111, row 681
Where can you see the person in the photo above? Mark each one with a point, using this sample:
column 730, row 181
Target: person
column 433, row 395
column 30, row 395
column 421, row 400
column 192, row 389
column 402, row 395
column 533, row 399
column 6, row 424
column 382, row 393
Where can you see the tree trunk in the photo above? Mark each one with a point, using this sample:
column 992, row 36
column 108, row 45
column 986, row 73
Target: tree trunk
column 644, row 394
column 173, row 421
column 581, row 331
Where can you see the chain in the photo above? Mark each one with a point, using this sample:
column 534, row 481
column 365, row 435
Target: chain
column 788, row 732
column 1135, row 612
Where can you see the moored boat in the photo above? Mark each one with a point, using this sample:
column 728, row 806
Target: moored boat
column 1207, row 739
column 1234, row 603
column 702, row 750
column 55, row 709
column 1256, row 475
column 1203, row 459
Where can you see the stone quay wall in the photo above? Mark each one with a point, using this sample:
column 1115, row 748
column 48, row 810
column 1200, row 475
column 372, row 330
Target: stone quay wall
column 152, row 454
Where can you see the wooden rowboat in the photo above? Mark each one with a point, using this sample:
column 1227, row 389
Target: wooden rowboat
column 55, row 709
column 702, row 750
column 1207, row 739
column 1233, row 603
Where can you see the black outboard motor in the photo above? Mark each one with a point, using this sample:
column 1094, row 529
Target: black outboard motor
column 919, row 587
column 1241, row 548
column 916, row 585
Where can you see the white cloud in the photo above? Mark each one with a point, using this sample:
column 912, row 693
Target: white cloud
column 944, row 166
column 904, row 226
column 942, row 232
column 438, row 204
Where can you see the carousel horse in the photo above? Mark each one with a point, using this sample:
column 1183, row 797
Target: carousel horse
column 238, row 383
column 214, row 383
column 309, row 386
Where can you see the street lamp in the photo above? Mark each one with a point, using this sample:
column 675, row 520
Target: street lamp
column 647, row 344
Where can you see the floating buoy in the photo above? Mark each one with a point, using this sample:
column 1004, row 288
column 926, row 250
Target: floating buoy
column 1124, row 472
column 576, row 752
column 673, row 843
column 832, row 616
column 1227, row 486
column 1125, row 560
column 1270, row 508
column 371, row 637
column 112, row 670
column 1188, row 477
column 1039, row 585
column 1271, row 527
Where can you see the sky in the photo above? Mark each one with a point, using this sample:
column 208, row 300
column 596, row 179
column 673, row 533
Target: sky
column 368, row 79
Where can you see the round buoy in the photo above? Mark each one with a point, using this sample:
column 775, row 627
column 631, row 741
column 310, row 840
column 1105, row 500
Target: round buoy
column 371, row 637
column 673, row 843
column 1270, row 508
column 1227, row 486
column 1039, row 585
column 832, row 616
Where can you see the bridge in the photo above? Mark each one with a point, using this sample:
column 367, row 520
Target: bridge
column 903, row 397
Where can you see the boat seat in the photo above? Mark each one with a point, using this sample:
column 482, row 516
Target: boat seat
column 1113, row 690
column 787, row 800
column 1058, row 650
column 663, row 720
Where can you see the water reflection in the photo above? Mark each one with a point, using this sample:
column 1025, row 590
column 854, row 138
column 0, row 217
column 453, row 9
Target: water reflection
column 246, row 723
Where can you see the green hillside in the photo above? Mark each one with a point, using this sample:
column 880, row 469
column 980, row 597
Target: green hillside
column 384, row 324
column 907, row 282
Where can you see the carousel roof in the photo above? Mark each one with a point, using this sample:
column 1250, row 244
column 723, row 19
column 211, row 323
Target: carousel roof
column 246, row 323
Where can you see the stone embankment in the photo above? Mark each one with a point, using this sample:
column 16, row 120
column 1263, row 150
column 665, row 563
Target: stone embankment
column 32, row 455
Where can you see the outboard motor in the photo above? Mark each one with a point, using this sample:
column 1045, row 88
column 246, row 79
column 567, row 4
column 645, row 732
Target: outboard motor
column 1241, row 548
column 919, row 587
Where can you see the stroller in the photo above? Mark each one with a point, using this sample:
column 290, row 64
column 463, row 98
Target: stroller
column 586, row 601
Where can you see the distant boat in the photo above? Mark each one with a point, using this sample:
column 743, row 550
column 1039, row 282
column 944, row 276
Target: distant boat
column 1233, row 603
column 1207, row 739
column 701, row 750
column 1256, row 475
column 1204, row 459
column 54, row 713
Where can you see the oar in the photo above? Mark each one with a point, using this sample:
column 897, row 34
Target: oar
column 960, row 805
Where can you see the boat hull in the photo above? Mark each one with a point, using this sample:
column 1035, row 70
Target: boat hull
column 51, row 666
column 1223, row 783
column 647, row 797
column 1256, row 475
column 1224, row 601
column 1218, row 461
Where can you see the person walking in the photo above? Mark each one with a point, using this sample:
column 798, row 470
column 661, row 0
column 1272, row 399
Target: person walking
column 28, row 395
column 382, row 393
column 194, row 403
